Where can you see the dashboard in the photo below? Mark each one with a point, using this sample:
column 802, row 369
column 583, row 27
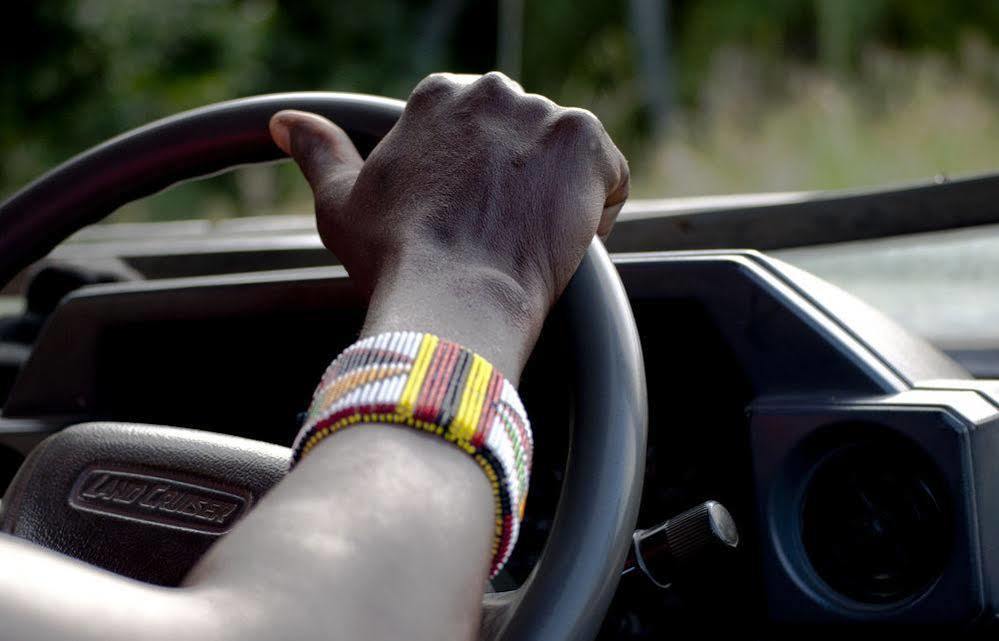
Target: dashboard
column 853, row 456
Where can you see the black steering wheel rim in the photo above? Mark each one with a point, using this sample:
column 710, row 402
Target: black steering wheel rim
column 568, row 593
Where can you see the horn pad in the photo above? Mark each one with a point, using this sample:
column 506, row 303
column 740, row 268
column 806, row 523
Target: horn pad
column 143, row 501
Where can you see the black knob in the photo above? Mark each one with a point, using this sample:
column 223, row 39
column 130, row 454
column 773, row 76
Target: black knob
column 689, row 540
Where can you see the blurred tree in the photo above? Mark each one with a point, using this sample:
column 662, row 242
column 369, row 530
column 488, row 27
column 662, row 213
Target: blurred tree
column 75, row 73
column 510, row 34
column 650, row 26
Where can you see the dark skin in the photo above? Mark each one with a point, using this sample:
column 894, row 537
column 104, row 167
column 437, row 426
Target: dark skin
column 467, row 221
column 481, row 200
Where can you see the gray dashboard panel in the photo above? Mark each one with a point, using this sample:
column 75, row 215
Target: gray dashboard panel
column 792, row 332
column 797, row 341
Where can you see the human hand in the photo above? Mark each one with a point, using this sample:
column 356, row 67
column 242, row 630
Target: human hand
column 472, row 213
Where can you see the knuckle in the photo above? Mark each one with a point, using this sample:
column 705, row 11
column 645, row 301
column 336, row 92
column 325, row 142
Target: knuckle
column 537, row 106
column 578, row 123
column 493, row 84
column 434, row 86
column 625, row 171
column 617, row 175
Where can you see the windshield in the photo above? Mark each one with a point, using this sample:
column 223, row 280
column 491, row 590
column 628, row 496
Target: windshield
column 709, row 97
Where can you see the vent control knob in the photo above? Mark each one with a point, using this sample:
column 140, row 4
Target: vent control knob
column 685, row 542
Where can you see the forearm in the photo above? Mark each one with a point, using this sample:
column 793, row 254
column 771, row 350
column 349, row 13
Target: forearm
column 83, row 602
column 380, row 533
column 398, row 524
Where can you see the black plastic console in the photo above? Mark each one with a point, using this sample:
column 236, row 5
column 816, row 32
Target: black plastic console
column 857, row 459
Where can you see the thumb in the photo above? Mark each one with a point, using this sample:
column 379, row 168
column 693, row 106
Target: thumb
column 323, row 152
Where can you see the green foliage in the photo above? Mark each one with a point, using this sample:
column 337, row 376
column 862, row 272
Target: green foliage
column 76, row 73
column 900, row 119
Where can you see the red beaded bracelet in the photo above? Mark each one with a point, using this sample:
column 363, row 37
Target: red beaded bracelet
column 422, row 381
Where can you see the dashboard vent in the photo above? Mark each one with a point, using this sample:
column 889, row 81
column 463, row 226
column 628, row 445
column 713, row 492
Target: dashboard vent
column 874, row 524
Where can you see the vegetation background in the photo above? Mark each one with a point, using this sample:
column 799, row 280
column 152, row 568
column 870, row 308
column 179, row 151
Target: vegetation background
column 704, row 96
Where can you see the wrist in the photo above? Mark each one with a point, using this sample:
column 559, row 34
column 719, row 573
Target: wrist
column 481, row 308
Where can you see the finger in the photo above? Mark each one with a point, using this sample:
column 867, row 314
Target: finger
column 616, row 197
column 465, row 79
column 325, row 154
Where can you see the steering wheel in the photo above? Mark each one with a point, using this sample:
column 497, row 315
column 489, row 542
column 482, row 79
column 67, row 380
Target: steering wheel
column 567, row 594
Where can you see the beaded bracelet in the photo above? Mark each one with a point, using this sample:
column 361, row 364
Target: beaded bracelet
column 425, row 382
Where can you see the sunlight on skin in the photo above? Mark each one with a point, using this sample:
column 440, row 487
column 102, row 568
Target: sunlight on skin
column 359, row 486
column 76, row 604
column 357, row 492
